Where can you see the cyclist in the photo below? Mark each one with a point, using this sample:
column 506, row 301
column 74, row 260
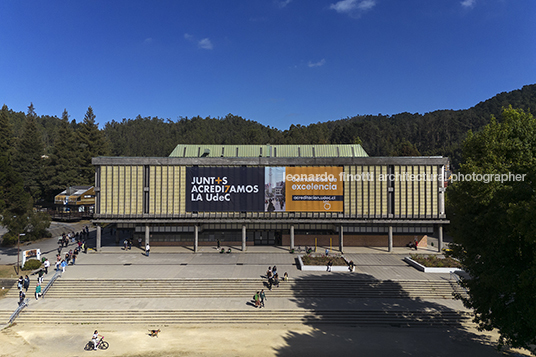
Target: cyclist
column 95, row 339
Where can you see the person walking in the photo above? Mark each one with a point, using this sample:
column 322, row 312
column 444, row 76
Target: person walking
column 26, row 283
column 22, row 295
column 20, row 283
column 276, row 279
column 63, row 265
column 75, row 255
column 330, row 263
column 46, row 265
column 269, row 273
column 40, row 277
column 37, row 291
column 147, row 249
column 262, row 295
column 256, row 298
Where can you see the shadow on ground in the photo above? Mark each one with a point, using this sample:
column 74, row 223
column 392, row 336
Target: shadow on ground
column 383, row 326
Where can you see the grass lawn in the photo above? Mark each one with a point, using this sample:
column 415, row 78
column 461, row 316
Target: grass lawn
column 8, row 271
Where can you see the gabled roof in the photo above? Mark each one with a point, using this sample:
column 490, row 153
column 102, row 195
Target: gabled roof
column 248, row 151
column 75, row 191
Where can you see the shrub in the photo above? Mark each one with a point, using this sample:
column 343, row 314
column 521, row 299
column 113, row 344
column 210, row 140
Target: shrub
column 32, row 264
column 435, row 261
column 322, row 260
column 9, row 239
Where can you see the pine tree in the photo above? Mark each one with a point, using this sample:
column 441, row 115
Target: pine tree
column 28, row 157
column 6, row 132
column 93, row 143
column 64, row 163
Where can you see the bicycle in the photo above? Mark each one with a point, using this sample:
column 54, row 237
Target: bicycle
column 103, row 345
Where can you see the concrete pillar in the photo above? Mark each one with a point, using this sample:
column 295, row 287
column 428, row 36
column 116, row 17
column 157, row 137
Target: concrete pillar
column 196, row 238
column 440, row 240
column 292, row 237
column 390, row 239
column 147, row 234
column 244, row 238
column 341, row 238
column 99, row 238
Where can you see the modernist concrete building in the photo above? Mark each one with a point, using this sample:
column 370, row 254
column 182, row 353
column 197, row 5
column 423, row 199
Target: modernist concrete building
column 288, row 195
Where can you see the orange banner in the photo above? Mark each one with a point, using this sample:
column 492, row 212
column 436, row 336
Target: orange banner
column 314, row 189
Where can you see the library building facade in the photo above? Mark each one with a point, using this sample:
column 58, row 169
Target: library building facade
column 286, row 195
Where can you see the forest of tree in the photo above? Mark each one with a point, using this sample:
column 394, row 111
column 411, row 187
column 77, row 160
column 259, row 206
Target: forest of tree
column 51, row 153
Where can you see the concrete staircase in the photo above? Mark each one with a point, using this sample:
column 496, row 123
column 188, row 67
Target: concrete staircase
column 117, row 290
column 221, row 288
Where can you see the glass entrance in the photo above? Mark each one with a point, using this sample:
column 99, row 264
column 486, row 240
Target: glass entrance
column 264, row 238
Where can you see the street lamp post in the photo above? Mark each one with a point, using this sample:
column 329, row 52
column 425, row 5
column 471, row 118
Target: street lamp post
column 18, row 252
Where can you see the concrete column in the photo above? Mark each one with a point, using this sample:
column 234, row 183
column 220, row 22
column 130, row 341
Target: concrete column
column 390, row 239
column 341, row 238
column 147, row 234
column 196, row 238
column 99, row 238
column 292, row 237
column 440, row 240
column 244, row 238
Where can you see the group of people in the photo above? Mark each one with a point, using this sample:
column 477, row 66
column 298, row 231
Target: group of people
column 413, row 245
column 24, row 283
column 273, row 279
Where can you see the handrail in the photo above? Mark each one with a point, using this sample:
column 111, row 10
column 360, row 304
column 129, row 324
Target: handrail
column 458, row 281
column 51, row 282
column 15, row 314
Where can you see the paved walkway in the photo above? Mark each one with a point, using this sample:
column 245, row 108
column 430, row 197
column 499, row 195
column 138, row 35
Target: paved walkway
column 112, row 262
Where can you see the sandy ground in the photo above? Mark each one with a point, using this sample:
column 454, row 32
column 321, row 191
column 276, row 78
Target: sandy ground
column 248, row 340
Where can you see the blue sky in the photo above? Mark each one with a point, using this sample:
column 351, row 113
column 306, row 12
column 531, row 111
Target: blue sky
column 277, row 62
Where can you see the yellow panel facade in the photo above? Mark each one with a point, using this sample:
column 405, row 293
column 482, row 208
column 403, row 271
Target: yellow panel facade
column 435, row 192
column 109, row 190
column 365, row 190
column 397, row 193
column 422, row 192
column 382, row 211
column 410, row 192
column 183, row 190
column 122, row 190
column 358, row 194
column 346, row 195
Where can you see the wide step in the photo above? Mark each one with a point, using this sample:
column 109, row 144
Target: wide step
column 399, row 318
column 207, row 288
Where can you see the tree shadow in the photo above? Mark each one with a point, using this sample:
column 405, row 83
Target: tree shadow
column 358, row 315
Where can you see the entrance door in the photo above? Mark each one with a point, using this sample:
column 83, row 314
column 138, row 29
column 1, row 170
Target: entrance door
column 264, row 238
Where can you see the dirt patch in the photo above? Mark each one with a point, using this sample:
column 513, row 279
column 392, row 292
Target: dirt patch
column 247, row 340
